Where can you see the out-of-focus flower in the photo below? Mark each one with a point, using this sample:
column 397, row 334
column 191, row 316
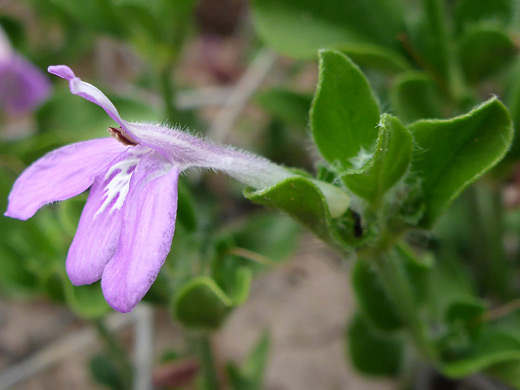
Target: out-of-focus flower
column 127, row 225
column 23, row 86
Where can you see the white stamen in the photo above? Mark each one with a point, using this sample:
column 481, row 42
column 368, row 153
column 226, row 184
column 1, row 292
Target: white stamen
column 120, row 183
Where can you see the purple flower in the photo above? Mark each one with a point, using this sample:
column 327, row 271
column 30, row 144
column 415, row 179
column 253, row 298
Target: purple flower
column 127, row 225
column 22, row 85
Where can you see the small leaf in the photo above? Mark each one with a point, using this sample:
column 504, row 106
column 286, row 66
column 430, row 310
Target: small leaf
column 388, row 164
column 201, row 304
column 299, row 28
column 494, row 347
column 452, row 154
column 372, row 353
column 344, row 114
column 471, row 12
column 513, row 103
column 483, row 52
column 85, row 301
column 507, row 372
column 372, row 299
column 414, row 96
column 376, row 57
column 105, row 372
column 250, row 376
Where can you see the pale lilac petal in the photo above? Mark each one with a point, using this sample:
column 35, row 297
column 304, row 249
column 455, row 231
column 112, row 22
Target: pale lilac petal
column 99, row 227
column 23, row 86
column 61, row 174
column 145, row 241
column 87, row 91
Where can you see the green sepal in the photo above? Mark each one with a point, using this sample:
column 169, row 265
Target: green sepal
column 302, row 199
column 451, row 154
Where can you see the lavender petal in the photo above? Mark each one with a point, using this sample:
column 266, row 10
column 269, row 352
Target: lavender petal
column 60, row 174
column 148, row 227
column 87, row 91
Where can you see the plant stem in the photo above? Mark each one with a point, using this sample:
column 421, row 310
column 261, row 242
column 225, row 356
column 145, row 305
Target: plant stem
column 207, row 362
column 392, row 274
column 117, row 353
column 488, row 228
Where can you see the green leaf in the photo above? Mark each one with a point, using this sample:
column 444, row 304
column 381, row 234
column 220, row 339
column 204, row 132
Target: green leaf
column 372, row 353
column 250, row 376
column 302, row 199
column 376, row 57
column 513, row 103
column 483, row 52
column 186, row 209
column 388, row 164
column 299, row 28
column 507, row 372
column 86, row 301
column 344, row 113
column 201, row 304
column 288, row 106
column 414, row 96
column 372, row 299
column 471, row 12
column 105, row 372
column 494, row 347
column 430, row 38
column 451, row 154
column 417, row 269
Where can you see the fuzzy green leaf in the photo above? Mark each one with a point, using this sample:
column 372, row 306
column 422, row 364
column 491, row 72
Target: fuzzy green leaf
column 452, row 154
column 344, row 113
column 494, row 347
column 372, row 299
column 201, row 304
column 373, row 353
column 388, row 164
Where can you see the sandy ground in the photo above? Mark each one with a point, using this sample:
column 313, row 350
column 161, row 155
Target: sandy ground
column 305, row 304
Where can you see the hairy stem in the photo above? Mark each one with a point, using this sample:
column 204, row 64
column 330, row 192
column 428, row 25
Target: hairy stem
column 207, row 363
column 393, row 276
column 117, row 353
